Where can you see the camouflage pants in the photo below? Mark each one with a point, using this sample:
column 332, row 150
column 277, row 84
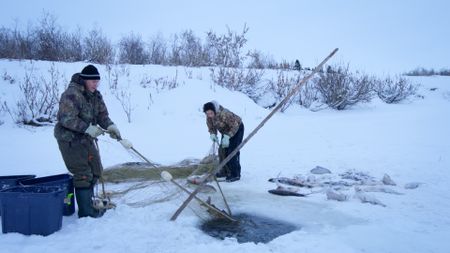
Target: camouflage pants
column 82, row 159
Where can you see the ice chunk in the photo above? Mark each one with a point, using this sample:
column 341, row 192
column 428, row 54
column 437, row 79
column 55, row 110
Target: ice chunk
column 387, row 180
column 320, row 170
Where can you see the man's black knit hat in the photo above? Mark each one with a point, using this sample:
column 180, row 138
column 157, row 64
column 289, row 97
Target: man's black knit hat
column 209, row 106
column 90, row 72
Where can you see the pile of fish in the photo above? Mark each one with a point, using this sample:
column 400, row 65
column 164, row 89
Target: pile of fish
column 341, row 187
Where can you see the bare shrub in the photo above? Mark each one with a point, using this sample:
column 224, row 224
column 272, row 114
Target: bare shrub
column 226, row 49
column 166, row 83
column 146, row 81
column 15, row 44
column 74, row 46
column 284, row 64
column 157, row 48
column 190, row 49
column 8, row 78
column 124, row 96
column 444, row 72
column 260, row 60
column 189, row 73
column 115, row 73
column 175, row 51
column 339, row 88
column 3, row 110
column 121, row 91
column 7, row 44
column 160, row 83
column 50, row 39
column 282, row 86
column 308, row 95
column 394, row 90
column 132, row 50
column 428, row 72
column 39, row 99
column 98, row 48
column 239, row 79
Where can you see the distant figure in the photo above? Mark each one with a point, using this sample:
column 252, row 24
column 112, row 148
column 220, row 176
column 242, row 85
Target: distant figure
column 82, row 112
column 219, row 119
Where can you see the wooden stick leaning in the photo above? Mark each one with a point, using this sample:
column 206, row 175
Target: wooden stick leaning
column 263, row 122
column 168, row 177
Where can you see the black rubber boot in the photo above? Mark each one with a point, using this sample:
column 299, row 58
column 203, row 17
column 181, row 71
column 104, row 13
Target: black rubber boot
column 84, row 201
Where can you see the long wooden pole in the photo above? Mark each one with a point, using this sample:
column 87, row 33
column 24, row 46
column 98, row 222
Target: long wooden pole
column 263, row 122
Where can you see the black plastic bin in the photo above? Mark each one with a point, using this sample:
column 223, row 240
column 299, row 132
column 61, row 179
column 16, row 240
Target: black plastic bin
column 32, row 209
column 12, row 181
column 64, row 181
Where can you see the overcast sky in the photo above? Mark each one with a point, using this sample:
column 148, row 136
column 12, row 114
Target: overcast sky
column 374, row 36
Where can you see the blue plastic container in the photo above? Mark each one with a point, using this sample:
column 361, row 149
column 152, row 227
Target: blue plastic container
column 12, row 181
column 64, row 181
column 32, row 210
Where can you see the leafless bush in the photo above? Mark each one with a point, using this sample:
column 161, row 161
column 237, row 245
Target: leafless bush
column 146, row 81
column 308, row 95
column 120, row 87
column 8, row 78
column 428, row 72
column 175, row 51
column 74, row 46
column 226, row 49
column 260, row 60
column 188, row 72
column 286, row 65
column 132, row 50
column 166, row 83
column 157, row 48
column 190, row 50
column 124, row 96
column 15, row 44
column 239, row 79
column 282, row 86
column 3, row 110
column 339, row 88
column 394, row 90
column 50, row 39
column 199, row 75
column 8, row 45
column 38, row 103
column 444, row 72
column 97, row 48
column 115, row 73
column 161, row 83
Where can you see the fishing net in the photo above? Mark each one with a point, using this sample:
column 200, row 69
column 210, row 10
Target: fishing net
column 139, row 184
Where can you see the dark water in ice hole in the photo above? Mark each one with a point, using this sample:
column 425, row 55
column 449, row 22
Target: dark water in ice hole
column 250, row 228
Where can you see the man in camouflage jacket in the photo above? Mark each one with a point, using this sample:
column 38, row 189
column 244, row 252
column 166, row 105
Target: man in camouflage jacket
column 220, row 119
column 82, row 116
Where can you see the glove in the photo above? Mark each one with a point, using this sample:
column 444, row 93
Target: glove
column 114, row 132
column 225, row 141
column 214, row 138
column 126, row 143
column 93, row 131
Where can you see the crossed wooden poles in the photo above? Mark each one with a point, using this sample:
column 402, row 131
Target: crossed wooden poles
column 212, row 172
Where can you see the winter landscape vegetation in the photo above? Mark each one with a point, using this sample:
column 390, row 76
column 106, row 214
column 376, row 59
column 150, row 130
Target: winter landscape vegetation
column 368, row 134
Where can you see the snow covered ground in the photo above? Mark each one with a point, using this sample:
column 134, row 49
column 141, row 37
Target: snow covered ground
column 409, row 141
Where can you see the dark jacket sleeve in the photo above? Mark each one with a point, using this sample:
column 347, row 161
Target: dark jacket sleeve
column 69, row 109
